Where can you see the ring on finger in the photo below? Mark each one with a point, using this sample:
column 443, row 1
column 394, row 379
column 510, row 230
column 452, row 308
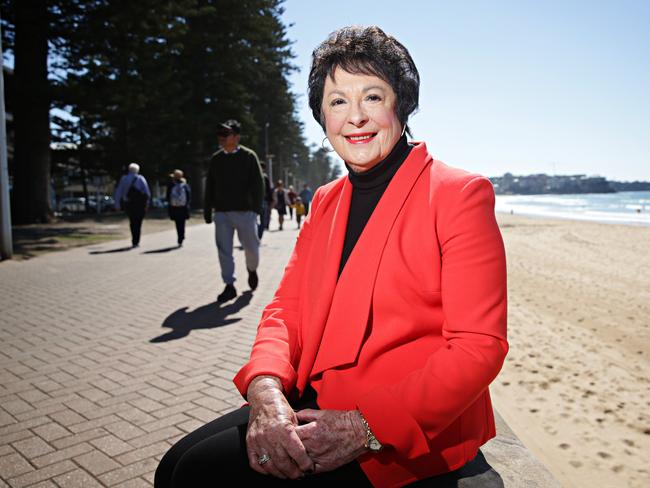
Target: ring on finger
column 263, row 459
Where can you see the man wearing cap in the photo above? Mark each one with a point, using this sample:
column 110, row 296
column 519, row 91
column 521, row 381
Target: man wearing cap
column 234, row 189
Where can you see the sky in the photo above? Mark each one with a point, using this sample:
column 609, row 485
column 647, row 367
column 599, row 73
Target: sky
column 556, row 87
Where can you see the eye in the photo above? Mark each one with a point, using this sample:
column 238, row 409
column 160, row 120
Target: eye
column 337, row 101
column 373, row 98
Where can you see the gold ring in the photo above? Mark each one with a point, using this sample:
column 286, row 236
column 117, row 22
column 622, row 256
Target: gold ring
column 263, row 459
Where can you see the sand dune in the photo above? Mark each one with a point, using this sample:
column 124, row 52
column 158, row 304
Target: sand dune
column 576, row 384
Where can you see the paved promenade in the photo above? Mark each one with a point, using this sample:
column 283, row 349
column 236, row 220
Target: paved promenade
column 109, row 355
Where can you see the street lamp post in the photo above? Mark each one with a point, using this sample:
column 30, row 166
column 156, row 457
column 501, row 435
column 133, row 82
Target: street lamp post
column 6, row 243
column 267, row 156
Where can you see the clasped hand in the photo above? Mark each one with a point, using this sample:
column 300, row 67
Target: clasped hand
column 298, row 443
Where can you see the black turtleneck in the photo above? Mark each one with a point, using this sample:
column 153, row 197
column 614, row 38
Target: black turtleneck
column 367, row 189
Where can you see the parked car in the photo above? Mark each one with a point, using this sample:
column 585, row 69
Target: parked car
column 106, row 203
column 72, row 204
column 159, row 203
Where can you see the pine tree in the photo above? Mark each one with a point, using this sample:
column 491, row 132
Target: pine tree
column 149, row 82
column 31, row 104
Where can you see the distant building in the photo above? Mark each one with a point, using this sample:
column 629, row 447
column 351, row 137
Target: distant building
column 541, row 183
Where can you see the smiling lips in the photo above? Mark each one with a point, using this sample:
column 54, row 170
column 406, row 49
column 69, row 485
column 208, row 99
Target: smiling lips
column 364, row 138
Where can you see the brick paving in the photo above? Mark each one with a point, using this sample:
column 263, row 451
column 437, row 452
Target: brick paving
column 107, row 358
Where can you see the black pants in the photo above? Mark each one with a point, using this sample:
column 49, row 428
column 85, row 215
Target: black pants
column 136, row 216
column 179, row 215
column 180, row 229
column 217, row 451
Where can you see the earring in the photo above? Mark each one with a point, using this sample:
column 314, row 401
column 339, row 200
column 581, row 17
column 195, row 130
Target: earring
column 322, row 144
column 403, row 130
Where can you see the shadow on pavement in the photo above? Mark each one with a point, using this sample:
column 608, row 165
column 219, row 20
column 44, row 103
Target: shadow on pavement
column 164, row 249
column 109, row 251
column 208, row 316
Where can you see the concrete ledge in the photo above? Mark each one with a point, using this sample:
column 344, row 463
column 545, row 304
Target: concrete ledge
column 516, row 464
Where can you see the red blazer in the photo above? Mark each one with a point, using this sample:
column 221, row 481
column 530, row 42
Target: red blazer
column 412, row 332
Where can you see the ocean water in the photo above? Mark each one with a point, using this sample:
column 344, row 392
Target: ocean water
column 629, row 207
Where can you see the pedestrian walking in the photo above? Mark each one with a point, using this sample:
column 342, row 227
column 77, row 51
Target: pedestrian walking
column 132, row 194
column 300, row 210
column 281, row 200
column 306, row 195
column 267, row 203
column 292, row 200
column 234, row 190
column 179, row 196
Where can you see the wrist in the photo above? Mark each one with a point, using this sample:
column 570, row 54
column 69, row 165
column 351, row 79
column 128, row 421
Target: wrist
column 261, row 385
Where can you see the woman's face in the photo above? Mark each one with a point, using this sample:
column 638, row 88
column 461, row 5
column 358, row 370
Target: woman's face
column 360, row 118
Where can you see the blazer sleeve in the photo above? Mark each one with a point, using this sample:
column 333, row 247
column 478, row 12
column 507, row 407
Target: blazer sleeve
column 276, row 350
column 473, row 293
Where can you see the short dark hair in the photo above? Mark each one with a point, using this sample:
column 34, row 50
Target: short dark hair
column 369, row 51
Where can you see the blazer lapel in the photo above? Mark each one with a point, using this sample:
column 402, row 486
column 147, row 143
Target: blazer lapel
column 322, row 275
column 347, row 322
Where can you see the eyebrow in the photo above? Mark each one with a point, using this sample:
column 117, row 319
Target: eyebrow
column 365, row 89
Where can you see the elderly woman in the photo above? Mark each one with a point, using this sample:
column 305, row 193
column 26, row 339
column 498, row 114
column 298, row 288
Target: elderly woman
column 372, row 362
column 179, row 197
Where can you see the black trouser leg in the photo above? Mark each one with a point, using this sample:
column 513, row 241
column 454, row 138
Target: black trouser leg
column 180, row 229
column 217, row 451
column 135, row 222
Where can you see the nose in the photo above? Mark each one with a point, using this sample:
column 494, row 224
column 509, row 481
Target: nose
column 357, row 115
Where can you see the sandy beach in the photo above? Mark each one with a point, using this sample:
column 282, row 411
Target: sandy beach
column 576, row 384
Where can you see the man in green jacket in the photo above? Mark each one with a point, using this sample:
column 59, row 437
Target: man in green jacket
column 234, row 189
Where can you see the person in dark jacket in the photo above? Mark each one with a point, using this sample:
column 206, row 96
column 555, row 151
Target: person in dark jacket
column 234, row 190
column 291, row 193
column 281, row 200
column 179, row 197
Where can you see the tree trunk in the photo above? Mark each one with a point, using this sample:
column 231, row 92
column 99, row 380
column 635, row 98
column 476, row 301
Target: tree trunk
column 31, row 189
